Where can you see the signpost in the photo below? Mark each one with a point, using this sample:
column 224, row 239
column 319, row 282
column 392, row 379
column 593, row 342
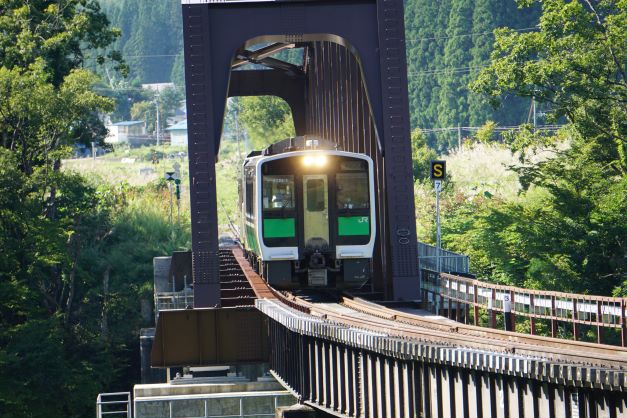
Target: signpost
column 438, row 175
column 177, row 183
column 171, row 177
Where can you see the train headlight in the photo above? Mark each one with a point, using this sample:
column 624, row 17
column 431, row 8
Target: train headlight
column 320, row 160
column 308, row 161
column 315, row 160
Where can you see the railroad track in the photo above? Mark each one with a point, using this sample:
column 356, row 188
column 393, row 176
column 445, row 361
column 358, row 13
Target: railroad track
column 359, row 313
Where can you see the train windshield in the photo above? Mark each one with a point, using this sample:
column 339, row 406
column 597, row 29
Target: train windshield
column 278, row 192
column 352, row 191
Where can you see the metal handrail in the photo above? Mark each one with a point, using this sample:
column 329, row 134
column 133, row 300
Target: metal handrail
column 174, row 300
column 576, row 309
column 103, row 405
column 172, row 400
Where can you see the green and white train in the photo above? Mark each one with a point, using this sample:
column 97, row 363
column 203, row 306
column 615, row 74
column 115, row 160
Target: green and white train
column 308, row 215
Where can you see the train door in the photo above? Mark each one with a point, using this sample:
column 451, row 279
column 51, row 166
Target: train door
column 316, row 209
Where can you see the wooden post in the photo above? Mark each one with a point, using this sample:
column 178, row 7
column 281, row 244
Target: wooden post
column 553, row 318
column 491, row 310
column 623, row 324
column 599, row 321
column 532, row 313
column 575, row 328
column 475, row 307
column 513, row 302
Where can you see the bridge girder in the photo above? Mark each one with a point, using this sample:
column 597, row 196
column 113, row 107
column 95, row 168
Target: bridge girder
column 352, row 90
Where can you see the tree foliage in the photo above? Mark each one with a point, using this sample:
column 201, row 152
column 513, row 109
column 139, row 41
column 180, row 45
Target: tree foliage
column 448, row 42
column 69, row 282
column 575, row 64
column 39, row 121
column 267, row 119
column 165, row 103
column 421, row 155
column 58, row 33
column 152, row 38
column 567, row 231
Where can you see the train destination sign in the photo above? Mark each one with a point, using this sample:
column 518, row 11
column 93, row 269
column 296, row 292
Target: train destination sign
column 438, row 170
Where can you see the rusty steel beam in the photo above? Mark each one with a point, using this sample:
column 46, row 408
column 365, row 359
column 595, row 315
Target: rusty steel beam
column 206, row 337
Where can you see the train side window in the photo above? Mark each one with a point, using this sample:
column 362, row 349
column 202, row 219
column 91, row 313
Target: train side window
column 352, row 190
column 278, row 192
column 249, row 195
column 315, row 195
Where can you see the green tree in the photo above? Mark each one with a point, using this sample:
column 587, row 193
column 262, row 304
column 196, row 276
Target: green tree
column 267, row 119
column 152, row 38
column 422, row 155
column 49, row 218
column 568, row 230
column 147, row 111
column 57, row 33
column 166, row 102
column 39, row 121
column 485, row 133
column 575, row 64
column 453, row 104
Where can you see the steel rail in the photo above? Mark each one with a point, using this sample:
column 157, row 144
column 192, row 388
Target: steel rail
column 539, row 346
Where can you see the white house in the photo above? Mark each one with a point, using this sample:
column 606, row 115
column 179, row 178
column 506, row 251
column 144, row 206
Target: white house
column 120, row 132
column 178, row 133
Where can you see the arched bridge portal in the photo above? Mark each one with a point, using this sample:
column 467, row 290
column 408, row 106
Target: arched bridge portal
column 351, row 89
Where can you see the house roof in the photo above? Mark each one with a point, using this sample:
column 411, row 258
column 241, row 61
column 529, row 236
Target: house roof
column 128, row 123
column 181, row 126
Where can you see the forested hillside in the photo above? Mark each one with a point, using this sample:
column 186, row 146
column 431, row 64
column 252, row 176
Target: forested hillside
column 448, row 42
column 151, row 40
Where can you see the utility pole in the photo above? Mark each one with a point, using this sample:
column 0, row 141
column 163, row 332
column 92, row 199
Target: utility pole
column 170, row 177
column 158, row 125
column 177, row 184
column 459, row 136
column 533, row 104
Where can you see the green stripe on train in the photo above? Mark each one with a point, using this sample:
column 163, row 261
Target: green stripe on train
column 279, row 228
column 353, row 225
column 251, row 239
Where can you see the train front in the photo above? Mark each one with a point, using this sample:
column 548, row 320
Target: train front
column 316, row 218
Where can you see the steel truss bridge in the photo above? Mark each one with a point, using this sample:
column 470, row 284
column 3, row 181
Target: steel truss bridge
column 351, row 357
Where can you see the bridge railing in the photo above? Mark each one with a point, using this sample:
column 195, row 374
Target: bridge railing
column 174, row 300
column 449, row 260
column 455, row 296
column 115, row 404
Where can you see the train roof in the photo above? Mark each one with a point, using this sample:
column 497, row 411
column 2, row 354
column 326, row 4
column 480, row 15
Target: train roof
column 297, row 143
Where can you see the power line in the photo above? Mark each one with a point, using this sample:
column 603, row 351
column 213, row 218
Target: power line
column 496, row 128
column 464, row 35
column 151, row 56
column 446, row 70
